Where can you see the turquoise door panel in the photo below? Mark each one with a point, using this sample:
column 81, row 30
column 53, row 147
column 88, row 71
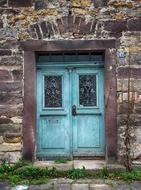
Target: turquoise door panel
column 52, row 130
column 60, row 131
column 53, row 119
column 88, row 131
column 88, row 123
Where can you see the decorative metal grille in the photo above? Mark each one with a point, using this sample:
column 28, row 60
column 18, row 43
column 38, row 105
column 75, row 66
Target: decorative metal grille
column 53, row 91
column 87, row 90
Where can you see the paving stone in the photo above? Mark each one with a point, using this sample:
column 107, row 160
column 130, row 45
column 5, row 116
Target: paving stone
column 136, row 186
column 20, row 187
column 63, row 187
column 124, row 187
column 100, row 187
column 56, row 185
column 41, row 187
column 4, row 186
column 80, row 187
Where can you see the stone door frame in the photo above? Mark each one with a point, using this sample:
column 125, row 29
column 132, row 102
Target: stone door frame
column 34, row 47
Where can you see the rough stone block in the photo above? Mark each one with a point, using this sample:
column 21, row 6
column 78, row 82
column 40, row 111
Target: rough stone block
column 100, row 187
column 99, row 3
column 17, row 120
column 41, row 187
column 50, row 29
column 20, row 3
column 87, row 28
column 10, row 128
column 76, row 24
column 9, row 44
column 115, row 26
column 66, row 24
column 134, row 24
column 11, row 61
column 136, row 58
column 138, row 110
column 32, row 32
column 44, row 29
column 4, row 52
column 5, row 120
column 5, row 75
column 63, row 187
column 38, row 31
column 11, row 86
column 124, row 107
column 17, row 75
column 137, row 120
column 1, row 25
column 3, row 3
column 1, row 139
column 80, row 187
column 5, row 147
column 12, row 137
column 60, row 25
column 11, row 110
column 12, row 157
column 10, row 98
column 82, row 4
column 41, row 4
column 123, row 72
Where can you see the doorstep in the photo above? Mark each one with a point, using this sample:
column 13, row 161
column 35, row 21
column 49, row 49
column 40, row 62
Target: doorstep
column 88, row 164
column 52, row 164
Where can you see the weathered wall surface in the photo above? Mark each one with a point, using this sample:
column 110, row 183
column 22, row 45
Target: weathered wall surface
column 67, row 19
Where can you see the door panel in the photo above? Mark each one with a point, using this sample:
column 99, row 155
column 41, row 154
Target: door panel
column 70, row 112
column 88, row 131
column 53, row 129
column 88, row 123
column 53, row 120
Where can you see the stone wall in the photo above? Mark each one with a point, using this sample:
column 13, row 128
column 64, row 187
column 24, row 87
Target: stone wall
column 67, row 19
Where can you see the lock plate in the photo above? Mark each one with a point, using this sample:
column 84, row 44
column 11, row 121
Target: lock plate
column 74, row 110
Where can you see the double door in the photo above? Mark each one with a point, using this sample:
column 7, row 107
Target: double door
column 70, row 112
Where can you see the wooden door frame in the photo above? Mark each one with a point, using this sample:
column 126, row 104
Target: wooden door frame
column 31, row 49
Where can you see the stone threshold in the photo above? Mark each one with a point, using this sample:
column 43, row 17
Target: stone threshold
column 88, row 164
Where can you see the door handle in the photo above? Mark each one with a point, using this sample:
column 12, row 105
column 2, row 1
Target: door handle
column 74, row 110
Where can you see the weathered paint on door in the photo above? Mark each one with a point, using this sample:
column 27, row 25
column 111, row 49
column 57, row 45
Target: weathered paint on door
column 53, row 120
column 70, row 111
column 88, row 123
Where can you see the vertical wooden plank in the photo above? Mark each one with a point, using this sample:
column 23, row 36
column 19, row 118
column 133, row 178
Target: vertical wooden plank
column 110, row 105
column 29, row 114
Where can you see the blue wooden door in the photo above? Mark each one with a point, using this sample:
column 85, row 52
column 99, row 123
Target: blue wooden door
column 88, row 116
column 53, row 118
column 70, row 111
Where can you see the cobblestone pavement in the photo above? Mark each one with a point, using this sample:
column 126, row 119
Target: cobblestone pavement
column 65, row 184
